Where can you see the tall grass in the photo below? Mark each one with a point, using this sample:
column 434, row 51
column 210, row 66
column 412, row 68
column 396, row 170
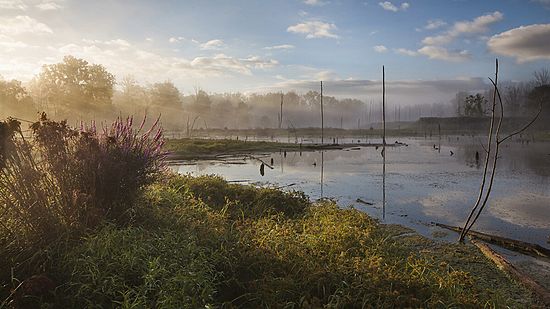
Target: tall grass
column 62, row 181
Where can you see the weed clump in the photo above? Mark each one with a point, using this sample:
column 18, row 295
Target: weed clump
column 62, row 181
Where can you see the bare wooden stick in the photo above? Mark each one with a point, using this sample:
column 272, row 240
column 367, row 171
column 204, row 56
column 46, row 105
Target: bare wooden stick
column 498, row 142
column 486, row 165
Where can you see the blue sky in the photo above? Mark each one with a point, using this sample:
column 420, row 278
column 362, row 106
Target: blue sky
column 282, row 45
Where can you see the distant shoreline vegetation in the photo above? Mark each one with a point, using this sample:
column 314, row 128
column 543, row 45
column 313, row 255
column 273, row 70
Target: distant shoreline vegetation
column 77, row 90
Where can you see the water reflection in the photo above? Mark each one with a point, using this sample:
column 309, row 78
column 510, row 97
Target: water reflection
column 419, row 185
column 384, row 182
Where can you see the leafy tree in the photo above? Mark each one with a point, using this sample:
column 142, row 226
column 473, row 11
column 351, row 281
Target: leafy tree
column 76, row 84
column 201, row 102
column 473, row 105
column 133, row 96
column 165, row 95
column 14, row 97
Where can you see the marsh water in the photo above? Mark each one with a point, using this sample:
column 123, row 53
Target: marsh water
column 429, row 180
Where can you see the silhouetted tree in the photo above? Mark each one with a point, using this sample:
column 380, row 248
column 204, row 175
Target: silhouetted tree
column 474, row 105
column 165, row 95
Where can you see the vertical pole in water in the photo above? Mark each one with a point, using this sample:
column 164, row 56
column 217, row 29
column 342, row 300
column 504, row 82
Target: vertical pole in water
column 322, row 170
column 281, row 118
column 322, row 119
column 384, row 144
column 384, row 106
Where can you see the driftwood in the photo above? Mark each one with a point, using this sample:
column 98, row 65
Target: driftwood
column 363, row 202
column 510, row 269
column 512, row 244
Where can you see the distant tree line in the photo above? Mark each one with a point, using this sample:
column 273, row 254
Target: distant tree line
column 77, row 90
column 519, row 98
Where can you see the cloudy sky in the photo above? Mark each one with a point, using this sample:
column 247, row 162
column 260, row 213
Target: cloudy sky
column 426, row 45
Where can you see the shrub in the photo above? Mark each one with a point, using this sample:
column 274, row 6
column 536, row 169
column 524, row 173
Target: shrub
column 65, row 180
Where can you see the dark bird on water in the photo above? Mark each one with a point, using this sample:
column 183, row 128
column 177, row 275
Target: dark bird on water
column 452, row 153
column 284, row 153
column 262, row 169
column 477, row 156
column 271, row 161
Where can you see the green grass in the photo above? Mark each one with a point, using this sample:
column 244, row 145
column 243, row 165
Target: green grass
column 191, row 148
column 204, row 243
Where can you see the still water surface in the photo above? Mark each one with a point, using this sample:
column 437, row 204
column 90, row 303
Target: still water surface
column 423, row 182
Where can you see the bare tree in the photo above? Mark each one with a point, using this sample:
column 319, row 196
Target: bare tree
column 542, row 77
column 484, row 191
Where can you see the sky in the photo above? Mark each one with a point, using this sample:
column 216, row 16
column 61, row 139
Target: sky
column 430, row 48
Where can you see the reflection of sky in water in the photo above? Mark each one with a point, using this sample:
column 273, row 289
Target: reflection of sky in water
column 423, row 184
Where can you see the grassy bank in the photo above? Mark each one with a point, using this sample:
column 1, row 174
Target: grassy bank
column 201, row 242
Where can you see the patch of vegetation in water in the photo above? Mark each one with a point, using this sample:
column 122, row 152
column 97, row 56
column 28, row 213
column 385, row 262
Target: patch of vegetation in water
column 192, row 148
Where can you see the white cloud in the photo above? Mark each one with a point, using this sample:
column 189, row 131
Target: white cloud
column 315, row 2
column 213, row 45
column 526, row 43
column 478, row 25
column 325, row 75
column 149, row 39
column 12, row 5
column 314, row 29
column 406, row 52
column 22, row 25
column 221, row 63
column 380, row 48
column 49, row 6
column 442, row 53
column 283, row 46
column 176, row 39
column 388, row 6
column 434, row 24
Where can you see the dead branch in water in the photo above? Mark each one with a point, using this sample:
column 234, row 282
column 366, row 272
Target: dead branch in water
column 484, row 194
column 511, row 244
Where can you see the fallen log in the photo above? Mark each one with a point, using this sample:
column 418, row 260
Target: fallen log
column 512, row 271
column 534, row 250
column 363, row 202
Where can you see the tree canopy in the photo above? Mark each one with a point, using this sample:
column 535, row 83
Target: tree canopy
column 76, row 84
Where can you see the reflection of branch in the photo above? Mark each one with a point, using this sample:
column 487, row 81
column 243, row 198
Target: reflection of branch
column 481, row 144
column 256, row 158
